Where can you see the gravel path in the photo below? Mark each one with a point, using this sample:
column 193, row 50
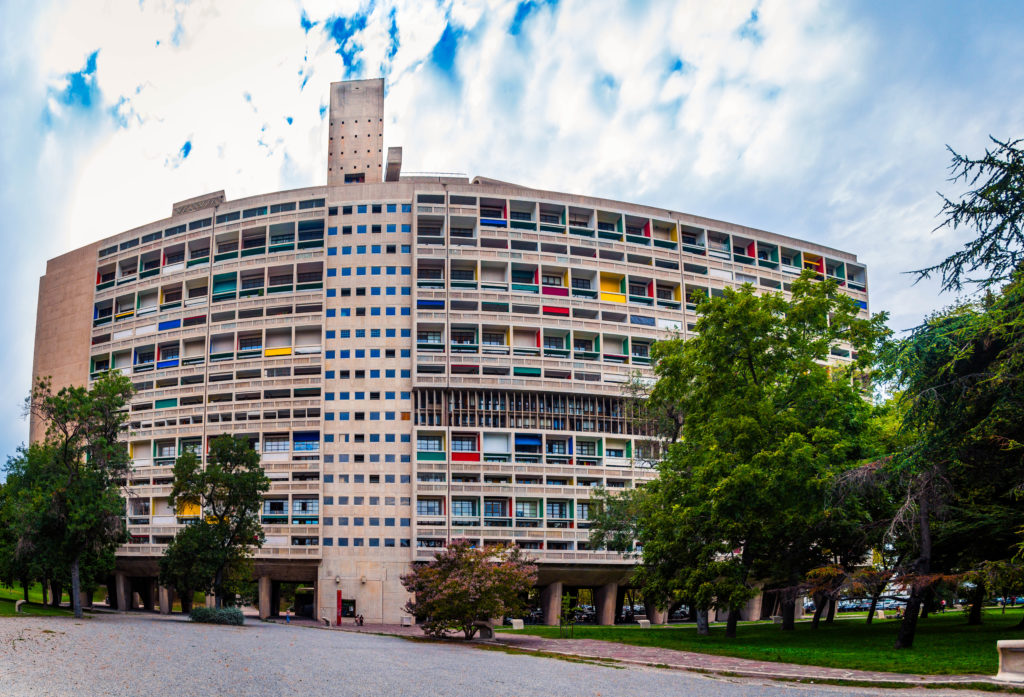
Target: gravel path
column 168, row 657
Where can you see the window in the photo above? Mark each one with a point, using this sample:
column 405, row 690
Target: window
column 583, row 511
column 637, row 289
column 551, row 280
column 463, row 508
column 463, row 444
column 460, row 274
column 428, row 443
column 428, row 337
column 586, row 448
column 583, row 344
column 557, row 447
column 641, row 350
column 558, row 509
column 526, row 509
column 494, row 509
column 275, row 444
column 428, row 507
column 554, row 342
column 582, row 283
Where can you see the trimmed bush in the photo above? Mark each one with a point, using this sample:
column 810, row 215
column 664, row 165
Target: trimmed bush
column 212, row 615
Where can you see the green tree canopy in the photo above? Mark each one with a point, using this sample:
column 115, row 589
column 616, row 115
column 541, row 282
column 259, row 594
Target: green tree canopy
column 212, row 553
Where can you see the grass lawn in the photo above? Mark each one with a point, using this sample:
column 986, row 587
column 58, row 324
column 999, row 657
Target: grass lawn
column 35, row 594
column 944, row 644
column 7, row 609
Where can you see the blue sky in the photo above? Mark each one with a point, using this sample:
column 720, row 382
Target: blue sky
column 822, row 120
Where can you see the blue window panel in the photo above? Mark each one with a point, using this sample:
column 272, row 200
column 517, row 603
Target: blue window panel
column 329, row 416
column 332, row 231
column 406, row 458
column 329, row 396
column 389, row 416
column 360, row 333
column 389, row 437
column 392, row 208
column 328, row 500
column 332, row 312
column 329, row 334
column 360, row 353
column 375, row 249
column 361, row 249
column 390, row 312
column 375, row 270
column 406, row 291
column 346, row 251
column 375, row 438
column 406, row 270
column 375, row 522
column 374, row 373
column 343, row 542
column 374, row 542
column 390, row 290
column 406, row 373
column 375, row 312
column 346, row 271
column 406, row 227
column 640, row 319
column 342, row 416
column 389, row 522
column 375, row 290
column 344, row 333
column 328, row 438
column 406, row 353
column 332, row 272
column 389, row 333
column 405, row 312
column 361, row 208
column 360, row 395
column 389, row 479
column 332, row 293
column 406, row 395
column 328, row 479
column 343, row 395
column 404, row 522
column 345, row 312
column 392, row 270
column 374, row 353
column 328, row 542
column 407, row 208
column 169, row 324
column 406, row 333
column 332, row 251
column 405, row 439
column 390, row 373
column 375, row 333
column 343, row 353
column 392, row 227
column 389, row 395
column 361, row 229
column 406, row 248
column 861, row 304
column 360, row 271
column 328, row 354
column 329, row 374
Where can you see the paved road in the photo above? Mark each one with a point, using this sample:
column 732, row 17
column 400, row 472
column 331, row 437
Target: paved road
column 169, row 657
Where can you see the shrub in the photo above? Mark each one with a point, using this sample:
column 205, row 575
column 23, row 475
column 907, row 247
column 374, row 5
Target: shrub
column 214, row 615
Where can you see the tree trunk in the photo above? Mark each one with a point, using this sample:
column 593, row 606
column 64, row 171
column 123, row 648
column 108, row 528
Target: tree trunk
column 186, row 601
column 702, row 622
column 908, row 627
column 871, row 610
column 819, row 607
column 217, row 590
column 76, row 587
column 730, row 625
column 24, row 588
column 926, row 602
column 789, row 614
column 46, row 588
column 56, row 591
column 831, row 611
column 977, row 601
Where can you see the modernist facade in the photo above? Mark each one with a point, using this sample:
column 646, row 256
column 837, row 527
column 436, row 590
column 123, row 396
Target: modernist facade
column 416, row 358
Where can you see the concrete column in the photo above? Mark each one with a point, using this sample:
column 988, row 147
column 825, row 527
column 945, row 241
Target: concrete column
column 551, row 603
column 123, row 590
column 85, row 598
column 211, row 600
column 166, row 600
column 264, row 592
column 604, row 602
column 655, row 615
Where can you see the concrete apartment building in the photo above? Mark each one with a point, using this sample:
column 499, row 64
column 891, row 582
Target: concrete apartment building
column 416, row 358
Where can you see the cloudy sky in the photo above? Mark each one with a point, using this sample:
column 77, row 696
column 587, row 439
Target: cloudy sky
column 823, row 120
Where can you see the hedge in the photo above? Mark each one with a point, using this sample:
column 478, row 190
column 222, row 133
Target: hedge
column 212, row 615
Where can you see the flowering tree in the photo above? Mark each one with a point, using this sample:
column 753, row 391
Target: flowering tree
column 465, row 584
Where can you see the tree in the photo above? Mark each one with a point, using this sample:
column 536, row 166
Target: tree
column 765, row 422
column 212, row 553
column 66, row 490
column 464, row 585
column 959, row 375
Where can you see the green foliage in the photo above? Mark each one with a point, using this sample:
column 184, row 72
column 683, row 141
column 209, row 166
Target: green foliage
column 742, row 495
column 217, row 615
column 214, row 552
column 61, row 506
column 464, row 584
